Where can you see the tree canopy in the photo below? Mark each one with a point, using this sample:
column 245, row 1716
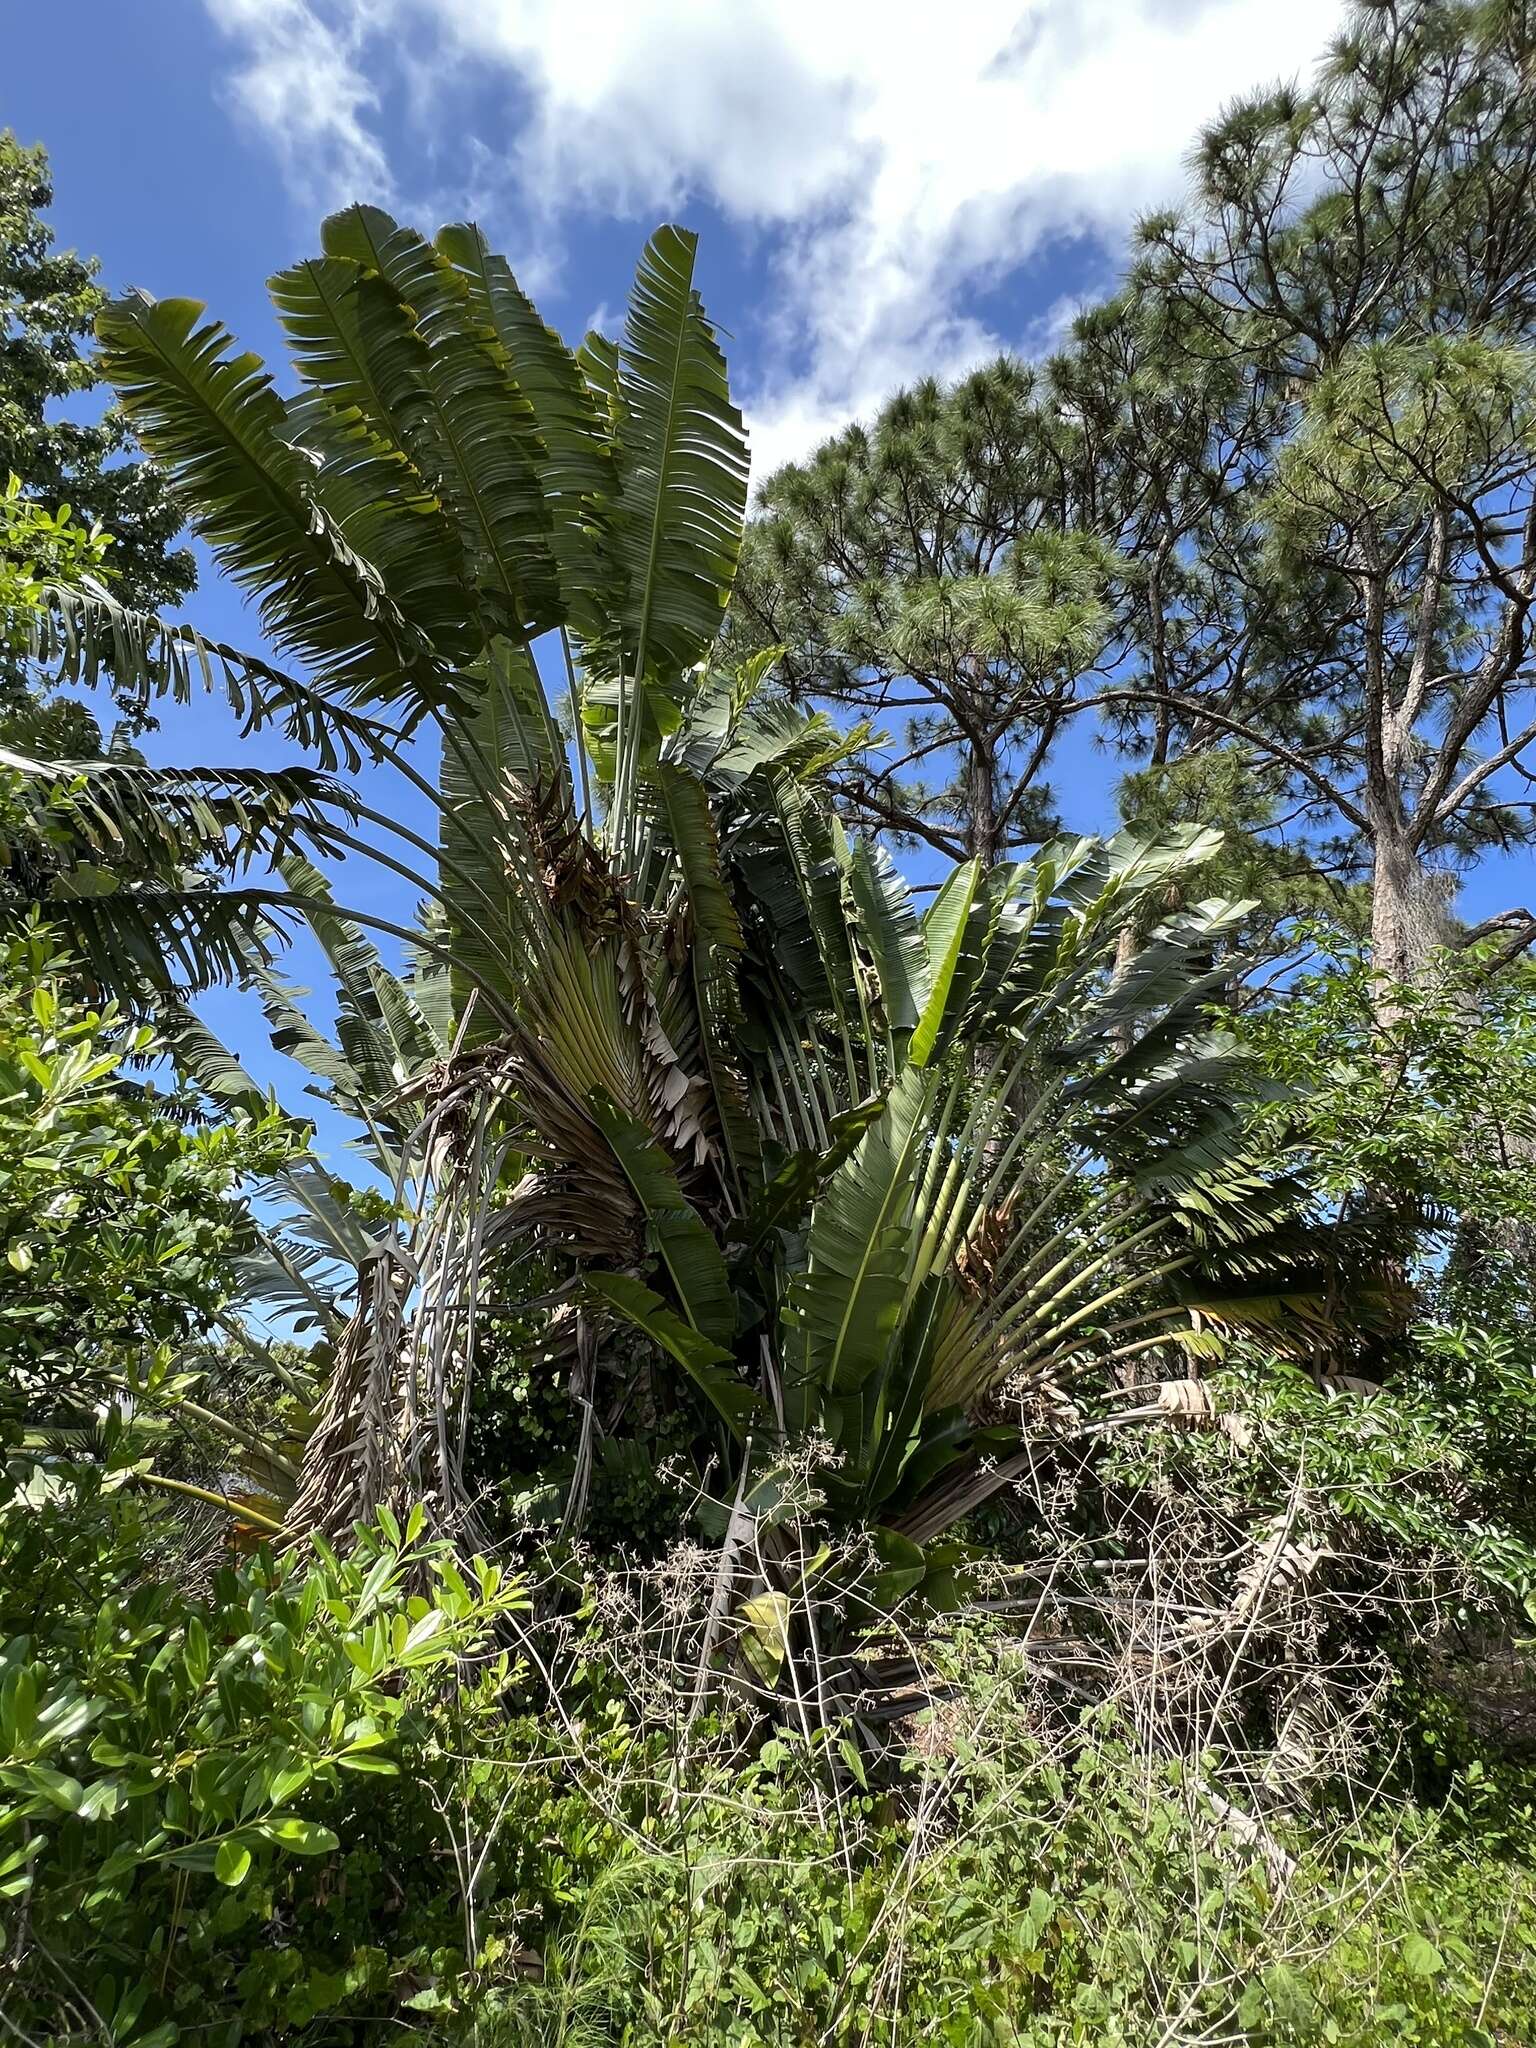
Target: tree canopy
column 49, row 300
column 1280, row 488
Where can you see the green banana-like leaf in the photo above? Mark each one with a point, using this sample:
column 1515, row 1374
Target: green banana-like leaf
column 140, row 821
column 495, row 754
column 770, row 736
column 890, row 929
column 1132, row 864
column 683, row 465
column 295, row 1282
column 844, row 1311
column 1171, row 968
column 598, row 361
column 682, row 1239
column 204, row 1058
column 320, row 1215
column 385, row 1038
column 781, row 1204
column 82, row 635
column 354, row 345
column 1044, row 930
column 702, row 1360
column 312, row 1249
column 711, row 712
column 660, row 712
column 314, row 1237
column 429, row 978
column 1023, row 943
column 575, row 461
column 359, row 1076
column 797, row 877
column 144, row 944
column 468, row 428
column 353, row 342
column 944, row 934
column 683, row 804
column 714, row 955
column 297, row 1037
column 213, row 419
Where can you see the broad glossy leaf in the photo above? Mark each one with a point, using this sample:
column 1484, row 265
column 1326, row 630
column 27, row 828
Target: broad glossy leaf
column 944, row 931
column 702, row 1360
column 467, row 427
column 683, row 1240
column 890, row 928
column 683, row 465
column 214, row 420
column 845, row 1309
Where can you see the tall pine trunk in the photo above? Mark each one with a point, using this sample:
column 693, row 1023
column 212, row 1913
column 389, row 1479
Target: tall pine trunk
column 1399, row 925
column 981, row 802
column 1401, row 930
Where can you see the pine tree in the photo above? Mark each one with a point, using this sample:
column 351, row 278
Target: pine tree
column 1364, row 255
column 918, row 572
column 1275, row 504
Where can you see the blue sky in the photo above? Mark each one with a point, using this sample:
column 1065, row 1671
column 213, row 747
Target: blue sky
column 877, row 198
column 882, row 189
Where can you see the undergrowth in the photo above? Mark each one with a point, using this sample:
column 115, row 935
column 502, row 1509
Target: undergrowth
column 1003, row 1889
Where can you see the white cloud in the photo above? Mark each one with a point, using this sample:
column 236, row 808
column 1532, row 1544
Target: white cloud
column 298, row 82
column 603, row 319
column 895, row 160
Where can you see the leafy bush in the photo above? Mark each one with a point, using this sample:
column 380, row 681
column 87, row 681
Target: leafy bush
column 119, row 1221
column 166, row 1758
column 37, row 548
column 1431, row 1115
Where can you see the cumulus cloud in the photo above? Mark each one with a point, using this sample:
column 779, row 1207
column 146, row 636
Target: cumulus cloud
column 299, row 80
column 896, row 163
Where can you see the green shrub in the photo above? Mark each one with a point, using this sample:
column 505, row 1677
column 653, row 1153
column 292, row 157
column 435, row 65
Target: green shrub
column 120, row 1221
column 218, row 1813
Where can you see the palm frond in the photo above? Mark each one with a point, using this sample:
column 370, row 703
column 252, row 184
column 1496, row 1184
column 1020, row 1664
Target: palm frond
column 466, row 426
column 83, row 635
column 575, row 458
column 844, row 1311
column 384, row 1036
column 702, row 1360
column 683, row 464
column 692, row 1258
column 204, row 1058
column 889, row 927
column 134, row 818
column 215, row 422
column 143, row 943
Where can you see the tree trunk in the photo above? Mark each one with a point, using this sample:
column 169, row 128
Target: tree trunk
column 1401, row 933
column 981, row 776
column 1402, row 916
